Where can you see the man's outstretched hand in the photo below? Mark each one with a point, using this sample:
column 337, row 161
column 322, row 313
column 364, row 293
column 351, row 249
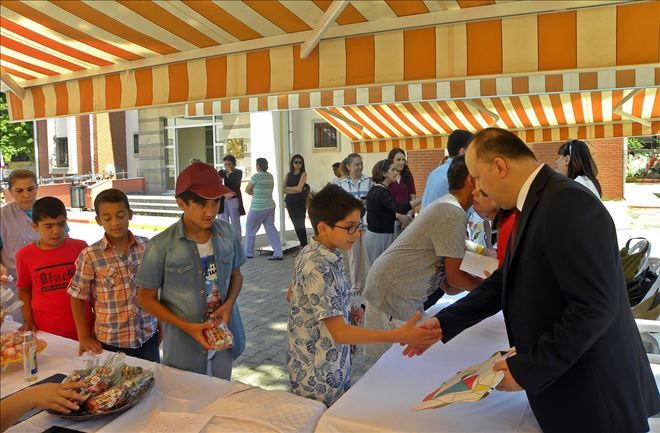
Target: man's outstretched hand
column 432, row 324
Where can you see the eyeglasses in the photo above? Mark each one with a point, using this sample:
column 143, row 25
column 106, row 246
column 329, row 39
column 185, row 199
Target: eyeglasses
column 297, row 162
column 352, row 229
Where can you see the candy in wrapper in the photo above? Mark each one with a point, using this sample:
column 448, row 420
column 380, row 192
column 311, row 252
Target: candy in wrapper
column 96, row 378
column 125, row 372
column 219, row 336
column 121, row 394
column 7, row 301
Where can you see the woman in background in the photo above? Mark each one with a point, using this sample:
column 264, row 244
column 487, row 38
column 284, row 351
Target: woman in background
column 296, row 189
column 262, row 211
column 232, row 208
column 402, row 189
column 382, row 209
column 574, row 160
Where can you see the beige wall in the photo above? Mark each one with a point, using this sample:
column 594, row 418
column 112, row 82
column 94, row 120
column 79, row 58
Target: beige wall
column 318, row 162
column 191, row 143
column 152, row 145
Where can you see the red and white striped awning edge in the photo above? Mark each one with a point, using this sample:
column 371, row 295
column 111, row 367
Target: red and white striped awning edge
column 533, row 84
column 529, row 136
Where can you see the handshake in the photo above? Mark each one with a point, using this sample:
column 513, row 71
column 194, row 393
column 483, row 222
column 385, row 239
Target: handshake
column 424, row 335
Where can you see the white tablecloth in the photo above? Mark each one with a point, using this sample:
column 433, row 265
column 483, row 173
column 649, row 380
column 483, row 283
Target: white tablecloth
column 236, row 406
column 382, row 400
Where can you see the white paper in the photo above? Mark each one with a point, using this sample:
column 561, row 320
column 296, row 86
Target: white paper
column 177, row 422
column 477, row 265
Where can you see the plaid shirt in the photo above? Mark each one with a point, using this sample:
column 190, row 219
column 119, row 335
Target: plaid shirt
column 358, row 189
column 108, row 277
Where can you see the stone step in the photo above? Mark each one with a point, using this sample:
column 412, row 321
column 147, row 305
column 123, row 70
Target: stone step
column 162, row 197
column 156, row 212
column 155, row 205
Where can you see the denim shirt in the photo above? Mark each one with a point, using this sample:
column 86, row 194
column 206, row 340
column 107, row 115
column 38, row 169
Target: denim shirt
column 172, row 264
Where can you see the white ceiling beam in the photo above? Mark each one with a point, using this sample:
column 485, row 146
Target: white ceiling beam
column 617, row 109
column 399, row 23
column 344, row 119
column 449, row 5
column 330, row 16
column 493, row 115
column 12, row 85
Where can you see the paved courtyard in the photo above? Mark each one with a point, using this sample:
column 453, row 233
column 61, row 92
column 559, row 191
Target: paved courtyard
column 263, row 303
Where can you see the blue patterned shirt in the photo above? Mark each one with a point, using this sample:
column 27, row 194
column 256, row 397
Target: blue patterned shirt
column 319, row 368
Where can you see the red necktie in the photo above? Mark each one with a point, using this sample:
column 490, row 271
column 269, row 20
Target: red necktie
column 514, row 229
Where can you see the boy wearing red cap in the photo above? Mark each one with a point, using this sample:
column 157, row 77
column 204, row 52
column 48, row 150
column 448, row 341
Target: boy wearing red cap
column 182, row 264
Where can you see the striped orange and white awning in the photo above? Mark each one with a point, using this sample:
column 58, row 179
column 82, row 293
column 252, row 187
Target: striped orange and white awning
column 72, row 57
column 537, row 118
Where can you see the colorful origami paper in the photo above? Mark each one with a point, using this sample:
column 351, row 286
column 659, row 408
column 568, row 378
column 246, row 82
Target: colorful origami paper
column 468, row 385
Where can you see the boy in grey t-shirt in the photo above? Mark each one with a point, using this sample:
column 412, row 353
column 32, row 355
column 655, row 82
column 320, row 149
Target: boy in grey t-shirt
column 432, row 247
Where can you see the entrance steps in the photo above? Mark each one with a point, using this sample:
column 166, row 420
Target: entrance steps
column 155, row 205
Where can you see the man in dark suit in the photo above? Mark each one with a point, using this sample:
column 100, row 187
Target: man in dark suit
column 579, row 356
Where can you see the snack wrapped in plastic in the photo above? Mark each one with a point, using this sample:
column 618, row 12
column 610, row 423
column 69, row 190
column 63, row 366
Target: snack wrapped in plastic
column 8, row 303
column 120, row 394
column 125, row 372
column 97, row 378
column 94, row 385
column 219, row 336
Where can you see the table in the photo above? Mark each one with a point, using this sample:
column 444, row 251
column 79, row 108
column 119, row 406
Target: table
column 236, row 406
column 382, row 400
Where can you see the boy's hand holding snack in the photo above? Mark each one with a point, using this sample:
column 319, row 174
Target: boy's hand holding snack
column 196, row 331
column 223, row 312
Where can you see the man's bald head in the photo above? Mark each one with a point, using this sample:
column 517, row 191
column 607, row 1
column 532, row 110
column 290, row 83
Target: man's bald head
column 491, row 143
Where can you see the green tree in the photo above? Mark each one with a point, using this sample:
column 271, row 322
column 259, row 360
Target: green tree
column 16, row 139
column 635, row 143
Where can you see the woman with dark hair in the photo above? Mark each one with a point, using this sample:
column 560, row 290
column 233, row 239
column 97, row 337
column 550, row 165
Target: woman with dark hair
column 262, row 211
column 574, row 160
column 403, row 189
column 295, row 190
column 232, row 208
column 383, row 208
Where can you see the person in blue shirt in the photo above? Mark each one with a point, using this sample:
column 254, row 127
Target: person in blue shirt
column 436, row 183
column 180, row 269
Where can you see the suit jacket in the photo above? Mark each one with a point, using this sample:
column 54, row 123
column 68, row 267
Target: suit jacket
column 579, row 356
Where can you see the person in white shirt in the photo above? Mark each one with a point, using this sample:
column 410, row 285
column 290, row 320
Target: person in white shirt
column 574, row 160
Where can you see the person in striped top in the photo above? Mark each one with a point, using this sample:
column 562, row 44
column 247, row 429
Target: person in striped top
column 105, row 273
column 262, row 211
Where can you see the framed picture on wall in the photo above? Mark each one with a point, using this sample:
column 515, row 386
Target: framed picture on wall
column 325, row 136
column 236, row 147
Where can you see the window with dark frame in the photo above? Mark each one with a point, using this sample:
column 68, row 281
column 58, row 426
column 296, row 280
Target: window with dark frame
column 325, row 136
column 136, row 143
column 61, row 151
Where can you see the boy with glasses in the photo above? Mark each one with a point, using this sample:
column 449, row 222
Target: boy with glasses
column 318, row 356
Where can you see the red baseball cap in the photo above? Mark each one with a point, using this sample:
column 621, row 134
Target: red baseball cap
column 202, row 179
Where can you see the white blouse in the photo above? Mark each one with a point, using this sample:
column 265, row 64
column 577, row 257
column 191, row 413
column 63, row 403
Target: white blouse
column 584, row 180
